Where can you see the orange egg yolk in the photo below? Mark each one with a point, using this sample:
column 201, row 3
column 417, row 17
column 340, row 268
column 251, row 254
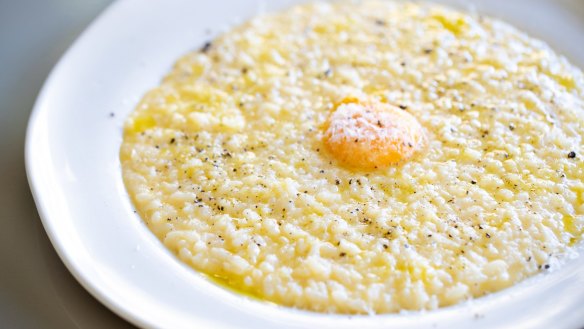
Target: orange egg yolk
column 371, row 134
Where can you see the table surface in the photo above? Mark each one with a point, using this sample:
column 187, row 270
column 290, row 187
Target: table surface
column 36, row 290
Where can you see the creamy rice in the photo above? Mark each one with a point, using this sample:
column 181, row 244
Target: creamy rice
column 225, row 160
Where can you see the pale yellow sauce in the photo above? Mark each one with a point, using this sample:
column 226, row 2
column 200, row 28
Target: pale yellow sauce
column 226, row 160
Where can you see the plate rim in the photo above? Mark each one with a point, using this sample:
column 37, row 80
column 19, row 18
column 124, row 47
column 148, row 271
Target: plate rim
column 29, row 149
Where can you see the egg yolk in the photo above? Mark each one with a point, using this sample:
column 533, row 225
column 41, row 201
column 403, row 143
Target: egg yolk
column 371, row 134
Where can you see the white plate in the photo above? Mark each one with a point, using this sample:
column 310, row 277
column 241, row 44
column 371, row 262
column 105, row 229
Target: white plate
column 74, row 171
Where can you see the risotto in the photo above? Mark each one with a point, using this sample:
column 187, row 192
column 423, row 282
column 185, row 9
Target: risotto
column 363, row 158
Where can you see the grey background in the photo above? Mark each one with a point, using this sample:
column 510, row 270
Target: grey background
column 36, row 290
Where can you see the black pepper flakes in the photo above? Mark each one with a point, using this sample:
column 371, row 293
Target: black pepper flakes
column 403, row 107
column 473, row 182
column 488, row 235
column 380, row 22
column 343, row 254
column 206, row 47
column 571, row 155
column 172, row 140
